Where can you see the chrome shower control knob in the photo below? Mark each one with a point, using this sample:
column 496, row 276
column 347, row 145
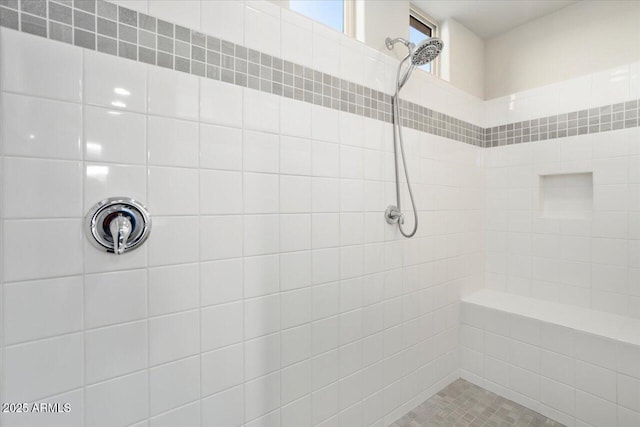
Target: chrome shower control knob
column 393, row 215
column 118, row 225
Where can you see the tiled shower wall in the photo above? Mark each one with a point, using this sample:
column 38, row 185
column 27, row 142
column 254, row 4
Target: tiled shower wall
column 592, row 260
column 271, row 291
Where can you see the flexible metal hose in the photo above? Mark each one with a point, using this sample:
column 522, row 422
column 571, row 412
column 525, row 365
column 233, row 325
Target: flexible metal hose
column 397, row 141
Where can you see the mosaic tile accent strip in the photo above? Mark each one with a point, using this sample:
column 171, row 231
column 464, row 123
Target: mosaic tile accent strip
column 594, row 120
column 116, row 30
column 462, row 404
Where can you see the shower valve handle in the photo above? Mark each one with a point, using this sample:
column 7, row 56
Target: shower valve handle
column 120, row 228
column 393, row 215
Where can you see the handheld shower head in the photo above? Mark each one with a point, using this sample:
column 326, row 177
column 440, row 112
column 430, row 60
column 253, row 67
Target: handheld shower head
column 426, row 51
column 420, row 54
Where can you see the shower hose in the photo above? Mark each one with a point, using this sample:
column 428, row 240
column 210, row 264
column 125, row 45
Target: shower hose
column 398, row 142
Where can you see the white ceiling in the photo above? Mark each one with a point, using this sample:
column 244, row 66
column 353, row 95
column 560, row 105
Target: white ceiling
column 488, row 18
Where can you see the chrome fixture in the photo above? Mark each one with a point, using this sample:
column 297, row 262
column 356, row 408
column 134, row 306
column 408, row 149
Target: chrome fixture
column 420, row 54
column 118, row 225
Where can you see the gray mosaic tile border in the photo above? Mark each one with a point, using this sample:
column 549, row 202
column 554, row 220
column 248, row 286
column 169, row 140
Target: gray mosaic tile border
column 622, row 115
column 116, row 30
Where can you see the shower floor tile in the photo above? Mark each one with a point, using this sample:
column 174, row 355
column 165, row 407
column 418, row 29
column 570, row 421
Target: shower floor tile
column 462, row 404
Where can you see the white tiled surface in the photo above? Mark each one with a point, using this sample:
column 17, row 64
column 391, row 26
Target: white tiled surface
column 585, row 254
column 582, row 370
column 610, row 86
column 271, row 291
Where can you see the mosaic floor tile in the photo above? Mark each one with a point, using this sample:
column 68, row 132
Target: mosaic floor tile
column 462, row 404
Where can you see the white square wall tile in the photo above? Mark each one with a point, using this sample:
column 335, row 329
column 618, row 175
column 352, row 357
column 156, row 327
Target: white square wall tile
column 325, row 195
column 220, row 192
column 261, row 234
column 31, row 249
column 221, row 237
column 296, row 381
column 262, row 356
column 96, row 261
column 174, row 384
column 32, row 374
column 129, row 394
column 351, row 162
column 114, row 136
column 173, row 288
column 261, row 152
column 628, row 392
column 325, row 335
column 173, row 191
column 115, row 298
column 225, row 408
column 324, row 403
column 220, row 103
column 220, row 147
column 262, row 30
column 261, row 111
column 295, row 307
column 222, row 369
column 295, row 232
column 324, row 54
column 610, row 86
column 57, row 300
column 295, row 118
column 351, row 129
column 221, row 325
column 221, row 281
column 325, row 230
column 261, row 316
column 106, row 180
column 262, row 395
column 115, row 351
column 295, row 42
column 172, row 142
column 182, row 12
column 178, row 233
column 557, row 395
column 296, row 344
column 36, row 66
column 295, row 156
column 42, row 188
column 224, row 19
column 596, row 380
column 325, row 266
column 295, row 270
column 261, row 275
column 174, row 336
column 172, row 94
column 325, row 124
column 37, row 127
column 593, row 410
column 260, row 193
column 113, row 82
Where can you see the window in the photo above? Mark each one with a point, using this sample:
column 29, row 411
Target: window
column 327, row 12
column 420, row 28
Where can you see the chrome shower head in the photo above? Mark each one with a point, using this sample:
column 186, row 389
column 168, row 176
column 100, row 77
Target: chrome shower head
column 426, row 51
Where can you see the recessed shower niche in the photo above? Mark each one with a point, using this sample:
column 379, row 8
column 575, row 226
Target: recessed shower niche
column 567, row 195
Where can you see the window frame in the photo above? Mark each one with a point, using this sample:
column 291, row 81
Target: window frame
column 349, row 18
column 430, row 23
